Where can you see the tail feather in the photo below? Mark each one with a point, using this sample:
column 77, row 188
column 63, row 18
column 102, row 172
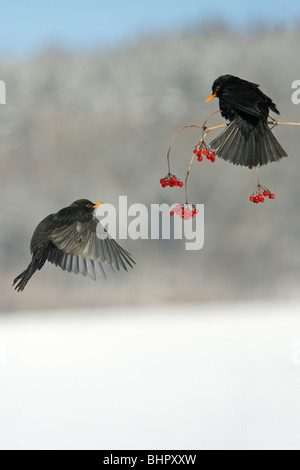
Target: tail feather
column 242, row 143
column 24, row 277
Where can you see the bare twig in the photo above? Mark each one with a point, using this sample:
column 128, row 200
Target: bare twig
column 174, row 137
column 186, row 178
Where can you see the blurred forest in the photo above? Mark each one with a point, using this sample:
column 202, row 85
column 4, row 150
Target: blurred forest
column 99, row 125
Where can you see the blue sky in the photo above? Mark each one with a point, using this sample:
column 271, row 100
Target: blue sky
column 77, row 25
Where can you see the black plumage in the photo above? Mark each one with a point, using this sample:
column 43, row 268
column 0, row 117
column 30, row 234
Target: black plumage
column 247, row 140
column 74, row 240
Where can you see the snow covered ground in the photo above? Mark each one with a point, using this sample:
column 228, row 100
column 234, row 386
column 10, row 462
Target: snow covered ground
column 198, row 377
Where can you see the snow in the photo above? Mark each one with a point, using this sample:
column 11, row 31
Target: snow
column 221, row 376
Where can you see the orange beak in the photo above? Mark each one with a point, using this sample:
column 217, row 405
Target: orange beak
column 211, row 97
column 97, row 204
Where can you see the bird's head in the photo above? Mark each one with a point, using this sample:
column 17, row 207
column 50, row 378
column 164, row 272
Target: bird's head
column 219, row 85
column 86, row 205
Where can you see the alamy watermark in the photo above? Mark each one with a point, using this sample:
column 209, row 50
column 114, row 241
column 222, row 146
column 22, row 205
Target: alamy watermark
column 2, row 92
column 296, row 94
column 138, row 221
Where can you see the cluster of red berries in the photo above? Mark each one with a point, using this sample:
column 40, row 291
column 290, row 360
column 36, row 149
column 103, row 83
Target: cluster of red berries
column 185, row 212
column 171, row 180
column 199, row 152
column 260, row 193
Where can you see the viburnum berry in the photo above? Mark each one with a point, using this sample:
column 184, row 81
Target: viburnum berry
column 259, row 194
column 170, row 180
column 185, row 211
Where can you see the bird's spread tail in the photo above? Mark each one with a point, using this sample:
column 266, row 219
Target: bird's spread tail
column 243, row 143
column 24, row 277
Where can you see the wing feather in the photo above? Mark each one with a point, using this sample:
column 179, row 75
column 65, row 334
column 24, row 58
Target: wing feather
column 85, row 247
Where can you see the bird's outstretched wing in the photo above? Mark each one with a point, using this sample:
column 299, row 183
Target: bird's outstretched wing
column 87, row 249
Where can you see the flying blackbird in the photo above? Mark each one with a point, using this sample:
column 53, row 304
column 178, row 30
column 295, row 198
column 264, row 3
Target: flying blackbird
column 247, row 140
column 74, row 239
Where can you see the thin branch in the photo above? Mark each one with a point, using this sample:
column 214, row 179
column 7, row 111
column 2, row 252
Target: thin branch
column 186, row 178
column 207, row 119
column 174, row 137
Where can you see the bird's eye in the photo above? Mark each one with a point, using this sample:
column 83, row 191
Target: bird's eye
column 217, row 88
column 88, row 206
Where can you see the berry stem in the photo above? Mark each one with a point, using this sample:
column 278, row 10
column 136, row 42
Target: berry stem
column 257, row 175
column 186, row 178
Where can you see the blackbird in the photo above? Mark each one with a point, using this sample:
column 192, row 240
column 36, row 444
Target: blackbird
column 247, row 140
column 74, row 239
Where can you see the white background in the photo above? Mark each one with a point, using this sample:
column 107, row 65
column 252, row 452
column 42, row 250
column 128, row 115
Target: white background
column 203, row 377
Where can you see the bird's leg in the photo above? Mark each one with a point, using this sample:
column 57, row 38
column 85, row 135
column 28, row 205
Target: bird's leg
column 282, row 123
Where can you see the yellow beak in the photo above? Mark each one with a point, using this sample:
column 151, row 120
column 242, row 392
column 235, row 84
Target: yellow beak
column 97, row 204
column 211, row 97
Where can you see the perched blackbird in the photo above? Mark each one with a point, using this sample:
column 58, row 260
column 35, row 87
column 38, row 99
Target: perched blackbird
column 247, row 140
column 74, row 239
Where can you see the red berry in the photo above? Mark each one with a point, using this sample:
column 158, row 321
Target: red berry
column 173, row 179
column 199, row 152
column 205, row 152
column 213, row 159
column 172, row 213
column 195, row 151
column 167, row 183
column 251, row 198
column 200, row 159
column 272, row 196
column 250, row 167
column 162, row 181
column 256, row 199
column 262, row 199
column 265, row 193
column 180, row 184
